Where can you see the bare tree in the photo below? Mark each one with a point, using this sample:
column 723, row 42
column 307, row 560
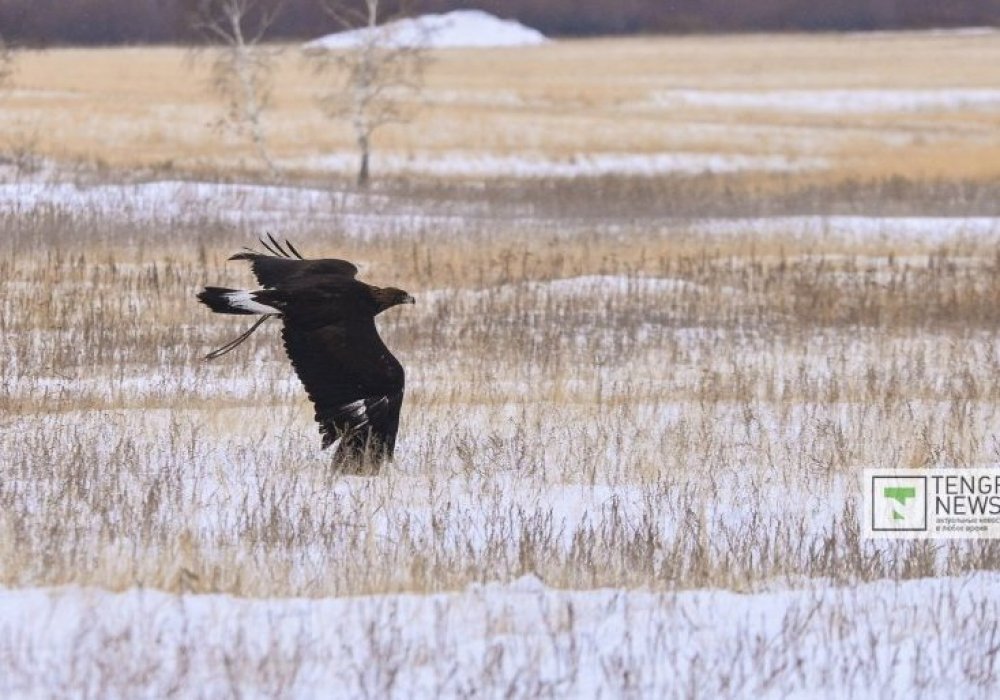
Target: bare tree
column 6, row 64
column 17, row 148
column 241, row 70
column 373, row 75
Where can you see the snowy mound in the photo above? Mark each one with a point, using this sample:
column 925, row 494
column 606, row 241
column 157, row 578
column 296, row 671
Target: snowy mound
column 462, row 28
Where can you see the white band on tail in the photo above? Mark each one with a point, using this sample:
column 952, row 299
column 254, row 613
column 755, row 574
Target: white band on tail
column 243, row 299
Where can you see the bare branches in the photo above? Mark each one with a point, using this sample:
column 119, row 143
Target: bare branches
column 226, row 21
column 349, row 16
column 373, row 76
column 241, row 71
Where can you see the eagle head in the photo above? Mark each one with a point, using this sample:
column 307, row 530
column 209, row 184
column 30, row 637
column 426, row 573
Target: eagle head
column 387, row 297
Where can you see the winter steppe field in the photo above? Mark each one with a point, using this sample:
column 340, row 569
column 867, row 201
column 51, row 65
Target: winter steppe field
column 672, row 296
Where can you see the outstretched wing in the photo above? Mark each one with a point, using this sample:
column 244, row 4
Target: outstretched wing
column 353, row 381
column 279, row 265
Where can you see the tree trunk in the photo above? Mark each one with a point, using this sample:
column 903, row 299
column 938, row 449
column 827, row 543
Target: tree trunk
column 363, row 174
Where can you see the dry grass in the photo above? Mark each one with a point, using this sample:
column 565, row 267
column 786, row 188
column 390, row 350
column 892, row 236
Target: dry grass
column 150, row 107
column 699, row 424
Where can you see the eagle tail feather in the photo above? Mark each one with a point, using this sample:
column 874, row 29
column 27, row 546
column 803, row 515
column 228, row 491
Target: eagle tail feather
column 222, row 300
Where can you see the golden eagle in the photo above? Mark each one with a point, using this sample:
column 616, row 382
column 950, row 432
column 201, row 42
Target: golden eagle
column 329, row 331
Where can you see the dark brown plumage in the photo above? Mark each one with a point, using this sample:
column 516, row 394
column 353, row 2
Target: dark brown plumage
column 329, row 332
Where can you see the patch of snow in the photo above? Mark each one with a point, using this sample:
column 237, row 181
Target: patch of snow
column 489, row 97
column 929, row 229
column 611, row 284
column 165, row 200
column 580, row 165
column 529, row 583
column 944, row 33
column 257, row 208
column 854, row 101
column 24, row 93
column 458, row 29
column 962, row 31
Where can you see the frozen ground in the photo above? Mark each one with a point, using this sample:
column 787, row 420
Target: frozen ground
column 925, row 638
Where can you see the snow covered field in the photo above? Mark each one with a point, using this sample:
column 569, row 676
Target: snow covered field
column 623, row 471
column 922, row 638
column 668, row 308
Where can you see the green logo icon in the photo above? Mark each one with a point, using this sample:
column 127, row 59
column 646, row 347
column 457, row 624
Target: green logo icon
column 896, row 501
column 900, row 494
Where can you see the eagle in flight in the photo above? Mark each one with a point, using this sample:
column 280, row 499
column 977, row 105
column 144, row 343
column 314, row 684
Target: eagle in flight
column 330, row 337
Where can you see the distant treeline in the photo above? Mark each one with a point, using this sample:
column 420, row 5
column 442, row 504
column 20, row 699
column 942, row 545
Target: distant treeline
column 44, row 22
